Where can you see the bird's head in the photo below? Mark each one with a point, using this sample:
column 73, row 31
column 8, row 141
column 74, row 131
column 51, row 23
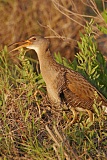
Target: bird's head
column 36, row 43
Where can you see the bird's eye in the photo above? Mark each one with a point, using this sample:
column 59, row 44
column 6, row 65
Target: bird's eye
column 34, row 38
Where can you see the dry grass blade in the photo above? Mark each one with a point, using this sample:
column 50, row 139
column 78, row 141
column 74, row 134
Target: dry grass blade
column 58, row 140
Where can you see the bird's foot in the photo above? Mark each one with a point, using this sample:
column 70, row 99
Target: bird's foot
column 74, row 118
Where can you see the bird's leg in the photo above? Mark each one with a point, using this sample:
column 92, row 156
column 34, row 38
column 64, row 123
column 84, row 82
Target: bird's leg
column 90, row 115
column 74, row 117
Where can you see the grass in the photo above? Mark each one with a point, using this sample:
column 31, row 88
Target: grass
column 30, row 129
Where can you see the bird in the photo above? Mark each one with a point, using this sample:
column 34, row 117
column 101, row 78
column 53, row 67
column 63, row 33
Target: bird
column 64, row 86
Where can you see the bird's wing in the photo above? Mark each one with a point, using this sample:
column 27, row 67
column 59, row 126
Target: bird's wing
column 78, row 91
column 79, row 85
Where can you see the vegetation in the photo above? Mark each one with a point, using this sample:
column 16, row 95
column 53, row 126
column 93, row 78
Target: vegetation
column 30, row 129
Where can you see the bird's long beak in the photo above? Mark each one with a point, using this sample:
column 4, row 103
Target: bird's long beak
column 21, row 45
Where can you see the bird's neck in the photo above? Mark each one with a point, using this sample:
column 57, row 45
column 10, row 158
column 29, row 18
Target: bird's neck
column 48, row 66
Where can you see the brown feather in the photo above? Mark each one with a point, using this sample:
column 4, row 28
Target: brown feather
column 79, row 92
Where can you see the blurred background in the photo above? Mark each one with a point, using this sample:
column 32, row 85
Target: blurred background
column 60, row 20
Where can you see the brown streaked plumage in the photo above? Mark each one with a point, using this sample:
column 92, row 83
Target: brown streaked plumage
column 63, row 85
